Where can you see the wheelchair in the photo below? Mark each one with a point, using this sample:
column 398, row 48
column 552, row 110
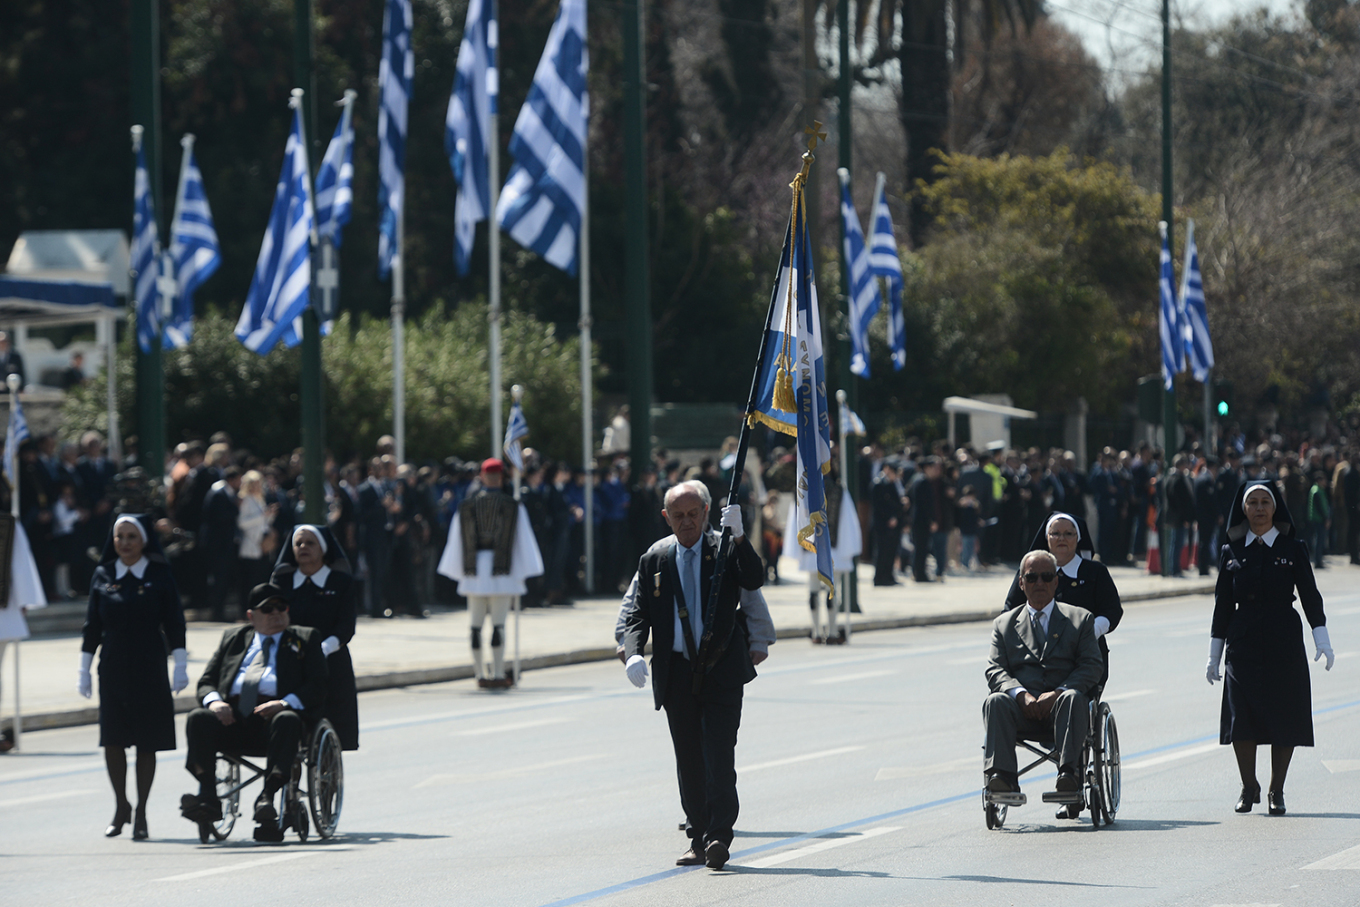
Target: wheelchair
column 1099, row 772
column 315, row 790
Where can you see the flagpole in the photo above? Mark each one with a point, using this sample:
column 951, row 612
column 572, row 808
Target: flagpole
column 12, row 462
column 850, row 576
column 516, row 393
column 399, row 340
column 587, row 390
column 493, row 155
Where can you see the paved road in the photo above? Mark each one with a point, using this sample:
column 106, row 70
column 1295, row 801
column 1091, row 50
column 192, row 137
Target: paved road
column 859, row 774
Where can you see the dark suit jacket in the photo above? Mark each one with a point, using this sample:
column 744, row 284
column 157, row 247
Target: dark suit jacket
column 887, row 504
column 655, row 608
column 924, row 499
column 300, row 666
column 1069, row 657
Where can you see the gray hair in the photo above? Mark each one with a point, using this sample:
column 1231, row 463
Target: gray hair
column 1035, row 555
column 691, row 486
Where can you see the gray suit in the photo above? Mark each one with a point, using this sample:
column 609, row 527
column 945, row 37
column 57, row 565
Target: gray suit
column 1068, row 660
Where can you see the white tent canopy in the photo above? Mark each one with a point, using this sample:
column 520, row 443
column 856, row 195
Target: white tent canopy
column 989, row 419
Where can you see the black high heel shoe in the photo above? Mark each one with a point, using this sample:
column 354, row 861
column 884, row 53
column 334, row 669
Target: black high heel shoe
column 1249, row 796
column 121, row 817
column 1275, row 802
column 139, row 832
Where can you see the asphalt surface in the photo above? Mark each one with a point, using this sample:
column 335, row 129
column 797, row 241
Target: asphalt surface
column 859, row 772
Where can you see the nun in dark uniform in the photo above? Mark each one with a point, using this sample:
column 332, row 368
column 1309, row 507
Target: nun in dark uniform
column 134, row 616
column 1082, row 581
column 313, row 568
column 1267, row 697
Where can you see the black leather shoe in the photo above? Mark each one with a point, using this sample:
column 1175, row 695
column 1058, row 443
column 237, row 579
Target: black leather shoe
column 715, row 855
column 1069, row 811
column 1067, row 783
column 201, row 810
column 121, row 816
column 999, row 784
column 1249, row 796
column 1275, row 802
column 264, row 809
column 692, row 857
column 139, row 832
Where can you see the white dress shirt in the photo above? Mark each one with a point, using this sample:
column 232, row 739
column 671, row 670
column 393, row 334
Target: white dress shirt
column 269, row 680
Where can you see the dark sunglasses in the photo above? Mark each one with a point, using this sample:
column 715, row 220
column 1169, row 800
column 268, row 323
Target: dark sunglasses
column 1040, row 577
column 271, row 607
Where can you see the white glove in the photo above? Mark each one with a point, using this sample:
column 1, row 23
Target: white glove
column 1215, row 656
column 636, row 669
column 330, row 645
column 1102, row 626
column 731, row 519
column 1324, row 645
column 181, row 678
column 84, row 685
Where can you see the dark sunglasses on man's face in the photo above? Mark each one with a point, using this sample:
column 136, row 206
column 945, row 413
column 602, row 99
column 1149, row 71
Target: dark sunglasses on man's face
column 271, row 607
column 1040, row 577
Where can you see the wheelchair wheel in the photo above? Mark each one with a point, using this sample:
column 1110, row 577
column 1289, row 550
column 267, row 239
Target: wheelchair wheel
column 1109, row 778
column 325, row 779
column 229, row 792
column 995, row 813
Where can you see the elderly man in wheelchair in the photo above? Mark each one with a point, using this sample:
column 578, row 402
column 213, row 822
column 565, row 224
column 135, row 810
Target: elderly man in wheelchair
column 1044, row 673
column 259, row 693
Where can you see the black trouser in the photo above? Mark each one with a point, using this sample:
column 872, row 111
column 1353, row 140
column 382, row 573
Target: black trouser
column 277, row 737
column 1206, row 545
column 921, row 542
column 886, row 542
column 704, row 734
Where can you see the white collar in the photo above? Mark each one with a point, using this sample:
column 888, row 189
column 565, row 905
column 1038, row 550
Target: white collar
column 138, row 569
column 1269, row 537
column 1045, row 612
column 1072, row 566
column 319, row 577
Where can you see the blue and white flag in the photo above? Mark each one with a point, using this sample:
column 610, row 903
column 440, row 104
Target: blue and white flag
column 395, row 73
column 544, row 199
column 15, row 434
column 864, row 299
column 793, row 355
column 1169, row 322
column 335, row 178
column 1199, row 349
column 515, row 429
column 884, row 262
column 280, row 291
column 851, row 423
column 193, row 247
column 467, row 127
column 145, row 256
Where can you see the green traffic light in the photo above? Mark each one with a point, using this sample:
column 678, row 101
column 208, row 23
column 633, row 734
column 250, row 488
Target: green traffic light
column 1222, row 407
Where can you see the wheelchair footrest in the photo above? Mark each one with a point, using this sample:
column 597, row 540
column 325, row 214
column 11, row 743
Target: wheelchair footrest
column 1064, row 796
column 1005, row 799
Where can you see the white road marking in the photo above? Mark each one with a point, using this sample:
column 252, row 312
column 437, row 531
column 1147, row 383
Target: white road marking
column 514, row 726
column 503, row 774
column 513, row 706
column 22, row 801
column 846, row 678
column 237, row 867
column 1335, row 766
column 898, row 772
column 1164, row 758
column 1131, row 694
column 1347, row 859
column 824, row 844
column 806, row 757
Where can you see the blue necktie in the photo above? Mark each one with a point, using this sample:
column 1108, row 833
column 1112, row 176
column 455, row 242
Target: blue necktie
column 687, row 588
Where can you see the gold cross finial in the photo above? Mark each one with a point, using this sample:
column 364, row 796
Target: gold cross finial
column 814, row 134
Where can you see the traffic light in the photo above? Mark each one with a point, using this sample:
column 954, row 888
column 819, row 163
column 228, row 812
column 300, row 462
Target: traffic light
column 1223, row 398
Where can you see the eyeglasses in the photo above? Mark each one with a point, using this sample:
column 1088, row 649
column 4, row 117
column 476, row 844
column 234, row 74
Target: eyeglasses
column 1062, row 535
column 1040, row 577
column 270, row 607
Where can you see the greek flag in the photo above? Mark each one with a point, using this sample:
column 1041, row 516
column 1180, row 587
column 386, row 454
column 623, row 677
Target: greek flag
column 515, row 429
column 193, row 247
column 334, row 193
column 395, row 72
column 1173, row 347
column 468, row 126
column 281, row 288
column 1199, row 349
column 544, row 198
column 864, row 298
column 145, row 256
column 851, row 423
column 793, row 354
column 883, row 262
column 16, row 434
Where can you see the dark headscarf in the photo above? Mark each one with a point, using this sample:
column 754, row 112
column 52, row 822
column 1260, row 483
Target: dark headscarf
column 333, row 557
column 1237, row 516
column 153, row 550
column 1084, row 547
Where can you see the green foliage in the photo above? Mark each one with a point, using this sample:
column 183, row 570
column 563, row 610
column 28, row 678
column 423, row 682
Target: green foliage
column 216, row 384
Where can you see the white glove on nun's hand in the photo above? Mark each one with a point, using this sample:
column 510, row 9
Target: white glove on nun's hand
column 84, row 685
column 731, row 519
column 330, row 645
column 636, row 669
column 181, row 678
column 1215, row 656
column 1324, row 645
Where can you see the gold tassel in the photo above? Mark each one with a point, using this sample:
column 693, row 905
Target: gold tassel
column 784, row 400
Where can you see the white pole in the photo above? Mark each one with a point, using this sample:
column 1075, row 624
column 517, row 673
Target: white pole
column 106, row 331
column 494, row 314
column 516, row 393
column 399, row 340
column 851, row 575
column 12, row 456
column 587, row 401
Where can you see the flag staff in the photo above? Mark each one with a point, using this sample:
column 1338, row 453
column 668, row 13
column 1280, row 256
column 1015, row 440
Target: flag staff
column 493, row 155
column 516, row 394
column 587, row 390
column 12, row 468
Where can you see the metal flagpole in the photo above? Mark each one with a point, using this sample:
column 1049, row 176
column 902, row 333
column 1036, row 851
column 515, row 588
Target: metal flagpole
column 399, row 339
column 587, row 395
column 516, row 392
column 12, row 458
column 493, row 142
column 849, row 577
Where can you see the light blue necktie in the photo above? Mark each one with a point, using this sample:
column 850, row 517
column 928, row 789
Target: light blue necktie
column 687, row 588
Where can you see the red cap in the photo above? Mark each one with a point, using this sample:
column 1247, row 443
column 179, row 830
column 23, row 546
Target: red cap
column 491, row 464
